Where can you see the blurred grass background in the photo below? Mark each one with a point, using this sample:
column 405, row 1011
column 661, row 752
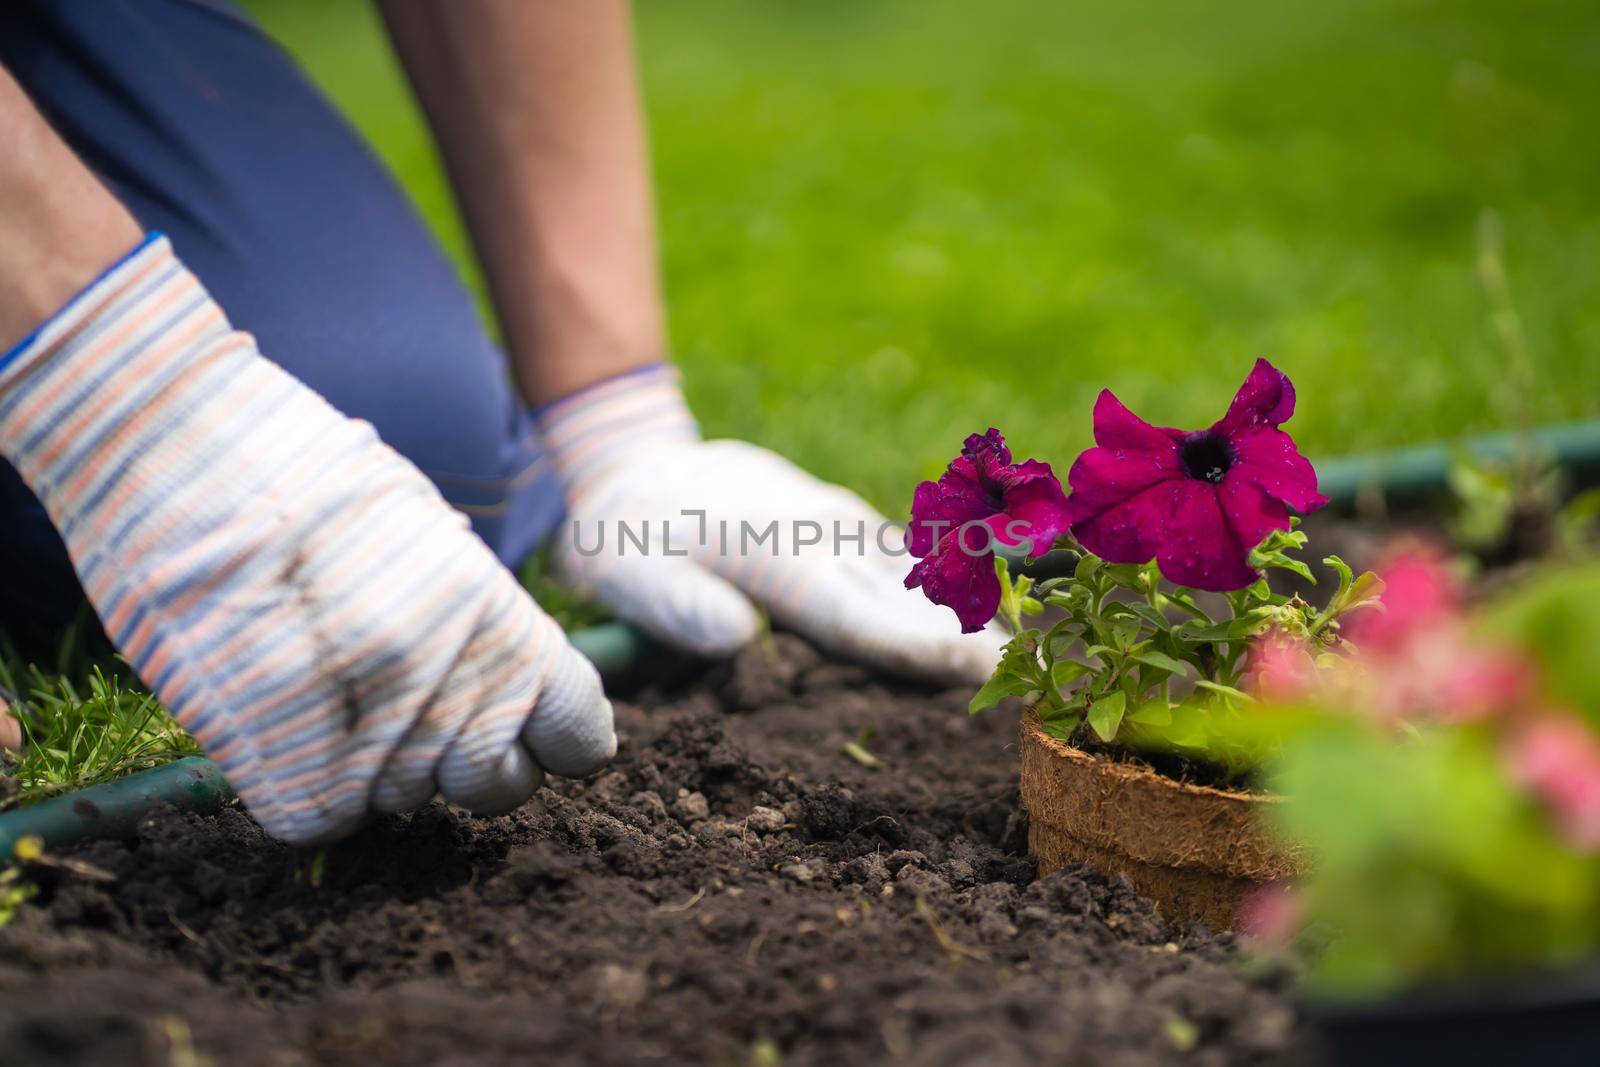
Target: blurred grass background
column 887, row 223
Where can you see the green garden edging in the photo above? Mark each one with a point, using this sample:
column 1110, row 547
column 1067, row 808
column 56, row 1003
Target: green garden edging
column 1406, row 475
column 113, row 809
column 612, row 647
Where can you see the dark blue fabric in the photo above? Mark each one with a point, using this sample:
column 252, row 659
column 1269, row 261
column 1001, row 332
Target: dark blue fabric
column 206, row 130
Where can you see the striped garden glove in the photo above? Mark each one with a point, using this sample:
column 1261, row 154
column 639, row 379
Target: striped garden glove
column 685, row 538
column 298, row 594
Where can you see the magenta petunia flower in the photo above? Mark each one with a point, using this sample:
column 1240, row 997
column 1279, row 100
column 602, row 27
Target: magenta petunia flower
column 980, row 500
column 1196, row 502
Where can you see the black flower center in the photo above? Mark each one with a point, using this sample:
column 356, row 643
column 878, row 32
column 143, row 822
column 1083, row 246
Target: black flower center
column 1206, row 456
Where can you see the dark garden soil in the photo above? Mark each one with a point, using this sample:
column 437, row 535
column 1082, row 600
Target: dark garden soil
column 735, row 890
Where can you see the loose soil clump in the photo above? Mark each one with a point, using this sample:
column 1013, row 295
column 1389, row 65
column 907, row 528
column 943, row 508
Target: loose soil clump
column 736, row 889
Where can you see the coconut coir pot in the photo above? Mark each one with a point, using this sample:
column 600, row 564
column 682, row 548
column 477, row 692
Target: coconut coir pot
column 1196, row 851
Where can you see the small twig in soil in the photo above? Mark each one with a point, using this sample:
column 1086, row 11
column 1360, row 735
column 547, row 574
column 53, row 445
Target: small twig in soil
column 949, row 944
column 890, row 819
column 284, row 969
column 182, row 927
column 857, row 750
column 673, row 909
column 29, row 851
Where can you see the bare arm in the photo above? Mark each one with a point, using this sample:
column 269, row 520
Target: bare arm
column 62, row 227
column 535, row 107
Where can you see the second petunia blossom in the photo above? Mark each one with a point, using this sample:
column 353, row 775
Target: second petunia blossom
column 1197, row 502
column 981, row 500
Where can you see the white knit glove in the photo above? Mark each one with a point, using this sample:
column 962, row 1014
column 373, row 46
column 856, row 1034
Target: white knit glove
column 298, row 594
column 831, row 568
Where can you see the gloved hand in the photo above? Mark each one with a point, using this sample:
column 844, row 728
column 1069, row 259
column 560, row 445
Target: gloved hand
column 632, row 460
column 298, row 594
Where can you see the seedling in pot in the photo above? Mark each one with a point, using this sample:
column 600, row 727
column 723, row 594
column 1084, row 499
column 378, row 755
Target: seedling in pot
column 1173, row 533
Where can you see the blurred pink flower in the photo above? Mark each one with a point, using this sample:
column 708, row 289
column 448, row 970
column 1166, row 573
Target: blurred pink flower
column 1270, row 915
column 1421, row 657
column 1279, row 668
column 1473, row 681
column 1420, row 594
column 1557, row 755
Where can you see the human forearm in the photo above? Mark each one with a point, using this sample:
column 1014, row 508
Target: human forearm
column 535, row 107
column 62, row 227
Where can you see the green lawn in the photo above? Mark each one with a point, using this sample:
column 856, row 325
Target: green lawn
column 889, row 222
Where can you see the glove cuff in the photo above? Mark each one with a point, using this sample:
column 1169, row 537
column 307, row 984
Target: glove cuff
column 98, row 365
column 588, row 432
column 71, row 317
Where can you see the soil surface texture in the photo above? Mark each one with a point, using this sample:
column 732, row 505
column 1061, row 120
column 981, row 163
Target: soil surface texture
column 737, row 889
